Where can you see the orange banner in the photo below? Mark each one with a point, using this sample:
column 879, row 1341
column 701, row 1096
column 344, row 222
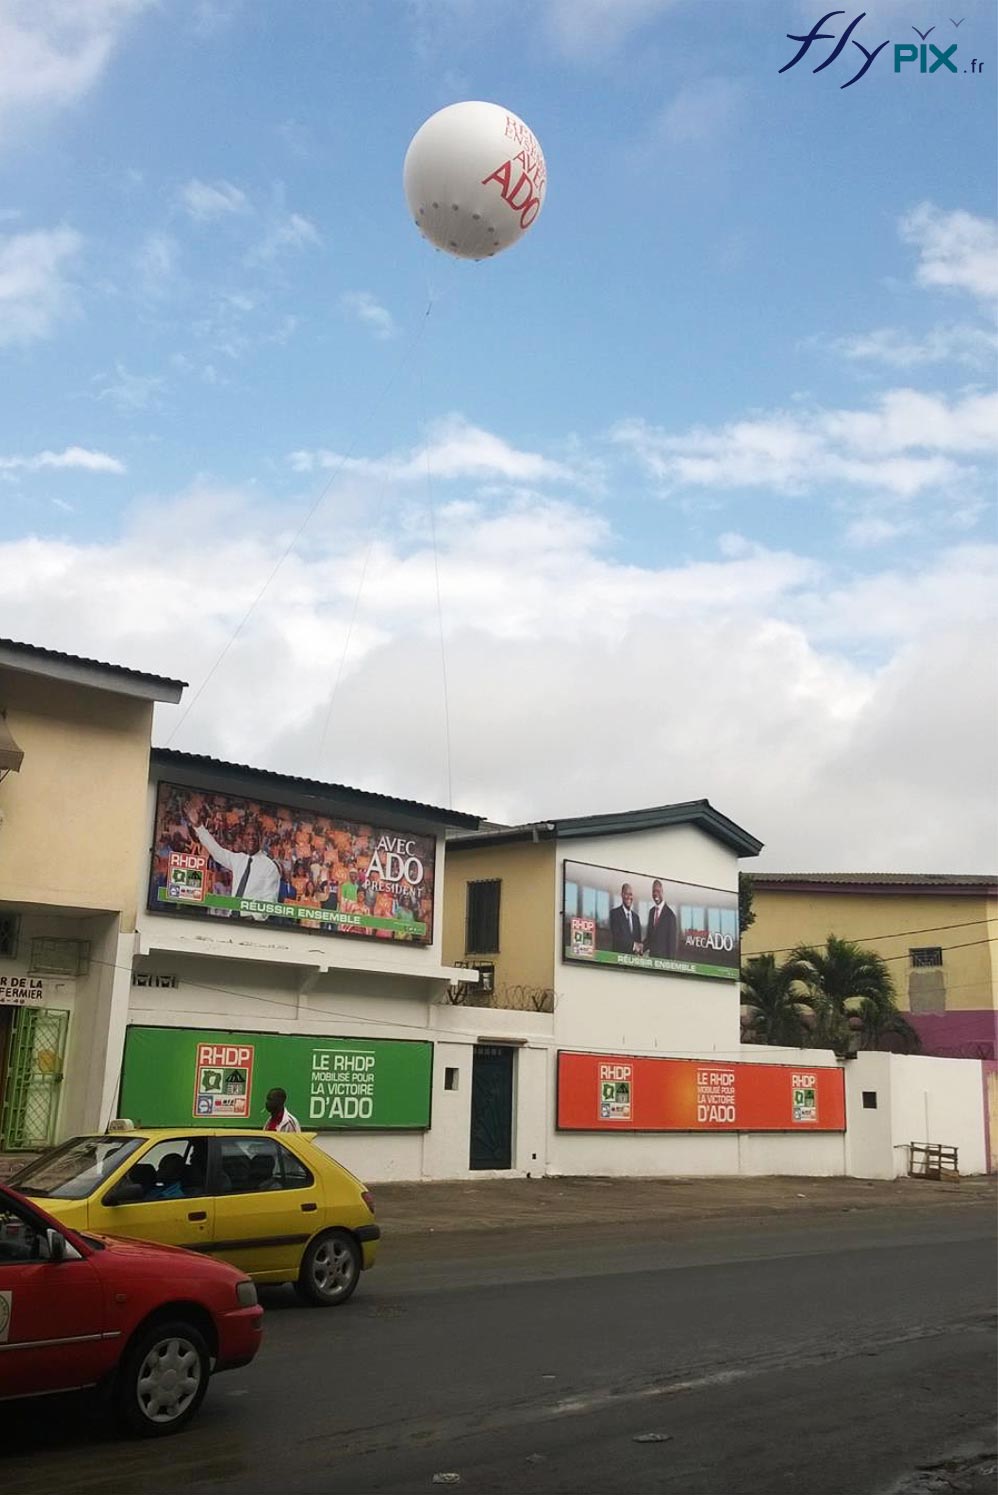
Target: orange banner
column 618, row 1092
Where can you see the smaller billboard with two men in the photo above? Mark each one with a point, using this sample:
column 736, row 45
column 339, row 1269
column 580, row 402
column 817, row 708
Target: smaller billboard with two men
column 640, row 922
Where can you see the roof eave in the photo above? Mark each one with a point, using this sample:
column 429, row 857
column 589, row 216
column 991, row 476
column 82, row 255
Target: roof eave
column 269, row 782
column 92, row 674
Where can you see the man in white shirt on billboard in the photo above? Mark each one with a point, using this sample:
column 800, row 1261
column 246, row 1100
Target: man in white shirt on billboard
column 254, row 874
column 280, row 1118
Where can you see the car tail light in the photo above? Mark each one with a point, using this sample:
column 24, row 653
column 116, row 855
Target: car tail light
column 368, row 1199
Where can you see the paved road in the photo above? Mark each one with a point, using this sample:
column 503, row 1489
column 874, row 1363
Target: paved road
column 829, row 1357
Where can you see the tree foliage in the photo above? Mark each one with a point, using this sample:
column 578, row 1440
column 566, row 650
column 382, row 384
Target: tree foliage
column 836, row 996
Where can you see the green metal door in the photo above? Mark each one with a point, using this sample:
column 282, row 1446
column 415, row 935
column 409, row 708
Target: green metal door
column 34, row 1077
column 492, row 1106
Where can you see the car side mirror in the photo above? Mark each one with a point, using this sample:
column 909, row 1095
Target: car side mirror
column 55, row 1245
column 56, row 1248
column 124, row 1192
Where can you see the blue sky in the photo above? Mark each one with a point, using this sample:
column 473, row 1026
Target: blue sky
column 708, row 458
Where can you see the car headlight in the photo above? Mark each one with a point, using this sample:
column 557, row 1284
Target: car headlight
column 246, row 1294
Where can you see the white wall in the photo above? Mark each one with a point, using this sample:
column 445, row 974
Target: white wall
column 703, row 1154
column 919, row 1099
column 250, row 994
column 632, row 1011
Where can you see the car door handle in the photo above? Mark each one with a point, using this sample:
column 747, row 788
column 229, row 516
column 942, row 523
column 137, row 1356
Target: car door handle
column 308, row 1208
column 198, row 1214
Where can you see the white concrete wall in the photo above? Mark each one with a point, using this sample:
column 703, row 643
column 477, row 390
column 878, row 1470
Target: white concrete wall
column 632, row 1011
column 258, row 996
column 919, row 1099
column 702, row 1154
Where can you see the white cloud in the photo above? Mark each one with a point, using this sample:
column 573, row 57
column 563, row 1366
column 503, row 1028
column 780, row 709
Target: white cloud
column 542, row 622
column 368, row 310
column 873, row 530
column 587, row 27
column 130, row 392
column 701, row 112
column 961, row 343
column 52, row 52
column 958, row 251
column 289, row 231
column 456, row 449
column 156, row 264
column 907, row 442
column 35, row 292
column 206, row 201
column 78, row 457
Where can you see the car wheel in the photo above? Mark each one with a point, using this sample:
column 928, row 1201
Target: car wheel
column 163, row 1379
column 330, row 1269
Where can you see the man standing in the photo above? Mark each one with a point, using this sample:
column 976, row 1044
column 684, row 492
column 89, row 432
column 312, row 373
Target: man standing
column 254, row 875
column 625, row 926
column 660, row 937
column 281, row 1119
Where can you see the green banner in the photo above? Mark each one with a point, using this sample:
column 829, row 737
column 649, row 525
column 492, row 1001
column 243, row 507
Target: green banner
column 209, row 1077
column 656, row 963
column 292, row 912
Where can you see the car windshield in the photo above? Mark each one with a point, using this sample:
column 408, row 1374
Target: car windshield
column 76, row 1169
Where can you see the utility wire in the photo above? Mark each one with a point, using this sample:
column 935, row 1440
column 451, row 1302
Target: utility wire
column 323, row 494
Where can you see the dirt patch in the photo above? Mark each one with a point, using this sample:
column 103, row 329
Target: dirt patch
column 491, row 1204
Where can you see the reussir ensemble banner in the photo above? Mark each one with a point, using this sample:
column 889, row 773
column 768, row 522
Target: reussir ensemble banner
column 635, row 921
column 618, row 1092
column 221, row 856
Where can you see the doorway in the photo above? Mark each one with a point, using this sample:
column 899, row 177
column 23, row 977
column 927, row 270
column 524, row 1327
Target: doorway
column 6, row 1024
column 492, row 1106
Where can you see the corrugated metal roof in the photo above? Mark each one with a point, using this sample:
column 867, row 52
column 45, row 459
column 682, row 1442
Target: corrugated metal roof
column 173, row 758
column 699, row 812
column 35, row 651
column 886, row 880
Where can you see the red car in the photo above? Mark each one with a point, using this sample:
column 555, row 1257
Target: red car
column 148, row 1324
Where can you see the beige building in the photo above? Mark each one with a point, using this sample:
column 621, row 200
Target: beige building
column 74, row 774
column 938, row 934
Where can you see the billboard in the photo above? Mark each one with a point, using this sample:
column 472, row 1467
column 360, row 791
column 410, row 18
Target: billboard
column 204, row 1077
column 618, row 1092
column 641, row 922
column 220, row 856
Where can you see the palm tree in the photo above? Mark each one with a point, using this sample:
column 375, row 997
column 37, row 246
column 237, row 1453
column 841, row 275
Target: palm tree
column 851, row 992
column 772, row 1012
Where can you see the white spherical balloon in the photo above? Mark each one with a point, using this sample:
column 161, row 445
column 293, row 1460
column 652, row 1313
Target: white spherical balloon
column 475, row 179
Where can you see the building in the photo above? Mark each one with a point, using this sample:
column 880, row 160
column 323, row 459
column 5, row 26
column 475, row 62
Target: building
column 439, row 998
column 938, row 934
column 74, row 765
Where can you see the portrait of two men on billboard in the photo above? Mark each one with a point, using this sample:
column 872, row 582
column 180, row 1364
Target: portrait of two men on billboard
column 658, row 936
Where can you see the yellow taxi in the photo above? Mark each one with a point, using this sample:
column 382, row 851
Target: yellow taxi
column 271, row 1203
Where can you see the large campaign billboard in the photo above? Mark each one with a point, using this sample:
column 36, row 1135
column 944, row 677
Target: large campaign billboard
column 620, row 1092
column 224, row 857
column 638, row 921
column 211, row 1077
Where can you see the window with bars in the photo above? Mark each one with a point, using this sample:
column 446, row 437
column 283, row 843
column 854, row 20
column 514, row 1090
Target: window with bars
column 481, row 929
column 10, row 929
column 59, row 957
column 928, row 955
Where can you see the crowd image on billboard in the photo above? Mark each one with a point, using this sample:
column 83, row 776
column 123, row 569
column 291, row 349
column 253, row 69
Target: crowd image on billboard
column 636, row 920
column 223, row 856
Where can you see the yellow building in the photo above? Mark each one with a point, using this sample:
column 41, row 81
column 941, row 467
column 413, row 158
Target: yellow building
column 938, row 934
column 74, row 775
column 499, row 912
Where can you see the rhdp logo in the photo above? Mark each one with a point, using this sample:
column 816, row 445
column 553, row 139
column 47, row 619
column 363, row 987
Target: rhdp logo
column 924, row 55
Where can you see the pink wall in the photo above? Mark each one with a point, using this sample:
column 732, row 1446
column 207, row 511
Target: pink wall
column 957, row 1035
